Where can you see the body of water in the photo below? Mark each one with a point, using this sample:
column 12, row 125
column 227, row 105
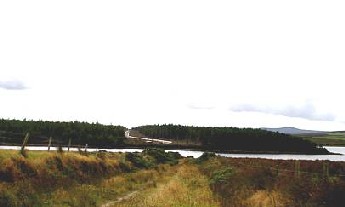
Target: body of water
column 196, row 154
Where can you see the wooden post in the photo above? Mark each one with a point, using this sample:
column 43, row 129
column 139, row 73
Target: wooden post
column 50, row 143
column 69, row 144
column 25, row 141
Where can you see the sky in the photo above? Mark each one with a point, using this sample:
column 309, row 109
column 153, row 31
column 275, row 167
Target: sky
column 243, row 63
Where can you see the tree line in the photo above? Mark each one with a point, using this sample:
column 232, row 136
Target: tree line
column 80, row 133
column 233, row 138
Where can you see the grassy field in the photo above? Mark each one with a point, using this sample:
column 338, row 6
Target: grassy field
column 42, row 178
column 154, row 178
column 241, row 182
column 148, row 179
column 77, row 179
column 185, row 187
column 328, row 139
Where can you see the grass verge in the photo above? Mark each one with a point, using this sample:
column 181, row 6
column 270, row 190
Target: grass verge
column 187, row 187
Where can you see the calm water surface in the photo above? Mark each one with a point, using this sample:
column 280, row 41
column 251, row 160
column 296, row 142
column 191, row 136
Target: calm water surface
column 196, row 154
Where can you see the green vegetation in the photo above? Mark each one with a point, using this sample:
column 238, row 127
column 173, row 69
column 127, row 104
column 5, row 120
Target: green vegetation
column 80, row 133
column 185, row 187
column 327, row 139
column 225, row 139
column 151, row 157
column 232, row 139
column 261, row 182
column 155, row 178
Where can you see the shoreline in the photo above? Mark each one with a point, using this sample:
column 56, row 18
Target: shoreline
column 173, row 147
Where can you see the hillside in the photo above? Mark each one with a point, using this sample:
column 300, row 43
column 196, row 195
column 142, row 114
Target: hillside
column 336, row 138
column 328, row 139
column 232, row 139
column 78, row 133
column 292, row 130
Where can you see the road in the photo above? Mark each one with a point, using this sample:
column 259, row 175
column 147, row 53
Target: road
column 146, row 139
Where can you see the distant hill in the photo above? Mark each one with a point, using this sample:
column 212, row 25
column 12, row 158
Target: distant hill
column 293, row 130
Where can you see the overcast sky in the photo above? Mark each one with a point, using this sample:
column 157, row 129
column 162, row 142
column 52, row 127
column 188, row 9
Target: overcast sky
column 206, row 63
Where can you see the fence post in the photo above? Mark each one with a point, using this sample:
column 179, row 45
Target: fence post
column 49, row 143
column 85, row 148
column 69, row 144
column 25, row 141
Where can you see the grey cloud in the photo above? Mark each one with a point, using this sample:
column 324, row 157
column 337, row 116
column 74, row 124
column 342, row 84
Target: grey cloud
column 306, row 111
column 12, row 85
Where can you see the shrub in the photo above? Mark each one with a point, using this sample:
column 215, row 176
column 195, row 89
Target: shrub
column 222, row 175
column 205, row 157
column 138, row 160
column 161, row 156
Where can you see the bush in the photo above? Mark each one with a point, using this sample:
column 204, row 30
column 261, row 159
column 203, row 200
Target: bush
column 205, row 157
column 222, row 175
column 138, row 160
column 161, row 156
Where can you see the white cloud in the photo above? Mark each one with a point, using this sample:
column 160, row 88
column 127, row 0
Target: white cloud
column 306, row 111
column 132, row 62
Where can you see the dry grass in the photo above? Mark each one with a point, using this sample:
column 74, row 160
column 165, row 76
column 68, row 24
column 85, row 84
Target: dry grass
column 107, row 191
column 42, row 166
column 50, row 177
column 187, row 187
column 243, row 182
column 263, row 198
column 71, row 179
